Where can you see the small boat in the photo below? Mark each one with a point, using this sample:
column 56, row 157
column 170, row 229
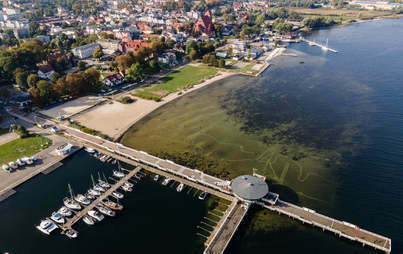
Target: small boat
column 64, row 211
column 89, row 150
column 13, row 165
column 202, row 195
column 112, row 205
column 90, row 196
column 104, row 184
column 71, row 233
column 138, row 176
column 6, row 168
column 126, row 188
column 117, row 194
column 118, row 173
column 27, row 160
column 129, row 184
column 46, row 226
column 94, row 192
column 109, row 160
column 105, row 210
column 96, row 215
column 58, row 218
column 114, row 162
column 156, row 177
column 82, row 199
column 70, row 202
column 166, row 181
column 20, row 163
column 88, row 220
column 98, row 188
column 180, row 187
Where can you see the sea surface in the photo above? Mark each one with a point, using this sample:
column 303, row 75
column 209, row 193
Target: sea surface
column 325, row 128
column 155, row 218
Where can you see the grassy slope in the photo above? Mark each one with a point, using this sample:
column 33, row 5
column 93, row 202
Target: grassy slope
column 175, row 81
column 22, row 147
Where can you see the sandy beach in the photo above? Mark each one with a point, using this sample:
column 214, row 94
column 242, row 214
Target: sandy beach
column 115, row 118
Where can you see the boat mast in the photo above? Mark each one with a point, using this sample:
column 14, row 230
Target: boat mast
column 99, row 176
column 70, row 190
column 92, row 178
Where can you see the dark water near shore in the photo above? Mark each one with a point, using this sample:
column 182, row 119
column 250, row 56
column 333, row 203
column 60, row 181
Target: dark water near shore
column 155, row 219
column 327, row 129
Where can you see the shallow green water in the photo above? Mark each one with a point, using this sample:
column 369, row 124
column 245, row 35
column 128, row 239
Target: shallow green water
column 326, row 129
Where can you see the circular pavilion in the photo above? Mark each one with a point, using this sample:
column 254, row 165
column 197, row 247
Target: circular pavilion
column 249, row 188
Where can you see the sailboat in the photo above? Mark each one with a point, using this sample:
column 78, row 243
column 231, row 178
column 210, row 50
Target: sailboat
column 96, row 187
column 102, row 183
column 69, row 202
column 118, row 172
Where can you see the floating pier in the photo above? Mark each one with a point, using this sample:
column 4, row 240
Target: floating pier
column 324, row 47
column 70, row 222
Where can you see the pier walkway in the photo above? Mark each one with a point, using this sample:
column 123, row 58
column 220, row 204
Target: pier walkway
column 312, row 43
column 340, row 228
column 225, row 230
column 68, row 225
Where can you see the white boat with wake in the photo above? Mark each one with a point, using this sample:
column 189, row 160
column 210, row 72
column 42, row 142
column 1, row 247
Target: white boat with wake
column 96, row 215
column 88, row 220
column 180, row 187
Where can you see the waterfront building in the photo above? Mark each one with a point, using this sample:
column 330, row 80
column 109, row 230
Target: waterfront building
column 64, row 149
column 249, row 188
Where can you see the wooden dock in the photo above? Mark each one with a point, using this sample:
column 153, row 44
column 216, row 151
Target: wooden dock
column 340, row 228
column 70, row 222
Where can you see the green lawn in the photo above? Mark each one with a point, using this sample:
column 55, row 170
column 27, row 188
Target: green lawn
column 185, row 77
column 22, row 147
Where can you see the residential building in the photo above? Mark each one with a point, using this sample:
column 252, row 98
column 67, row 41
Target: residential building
column 204, row 24
column 132, row 45
column 85, row 51
column 45, row 71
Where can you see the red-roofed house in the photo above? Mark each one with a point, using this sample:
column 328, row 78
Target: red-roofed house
column 45, row 71
column 132, row 46
column 113, row 79
column 204, row 24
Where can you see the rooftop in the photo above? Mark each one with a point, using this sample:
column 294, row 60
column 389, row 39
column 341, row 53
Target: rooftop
column 249, row 187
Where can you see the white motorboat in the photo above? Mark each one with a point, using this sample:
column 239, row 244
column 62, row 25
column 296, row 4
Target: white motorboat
column 156, row 177
column 117, row 194
column 27, row 160
column 94, row 192
column 71, row 234
column 202, row 195
column 180, row 187
column 166, row 181
column 46, row 226
column 106, row 210
column 58, row 218
column 129, row 184
column 6, row 168
column 64, row 211
column 82, row 199
column 96, row 215
column 89, row 150
column 126, row 188
column 88, row 220
column 20, row 163
column 118, row 173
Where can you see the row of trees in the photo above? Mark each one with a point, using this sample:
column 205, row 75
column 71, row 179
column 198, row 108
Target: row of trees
column 75, row 84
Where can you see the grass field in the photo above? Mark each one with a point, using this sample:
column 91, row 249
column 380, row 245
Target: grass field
column 22, row 147
column 183, row 78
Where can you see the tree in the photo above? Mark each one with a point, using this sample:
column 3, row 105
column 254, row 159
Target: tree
column 46, row 91
column 97, row 53
column 171, row 43
column 193, row 54
column 4, row 93
column 54, row 77
column 221, row 63
column 135, row 72
column 92, row 76
column 124, row 62
column 33, row 28
column 21, row 80
column 81, row 65
column 21, row 131
column 32, row 79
